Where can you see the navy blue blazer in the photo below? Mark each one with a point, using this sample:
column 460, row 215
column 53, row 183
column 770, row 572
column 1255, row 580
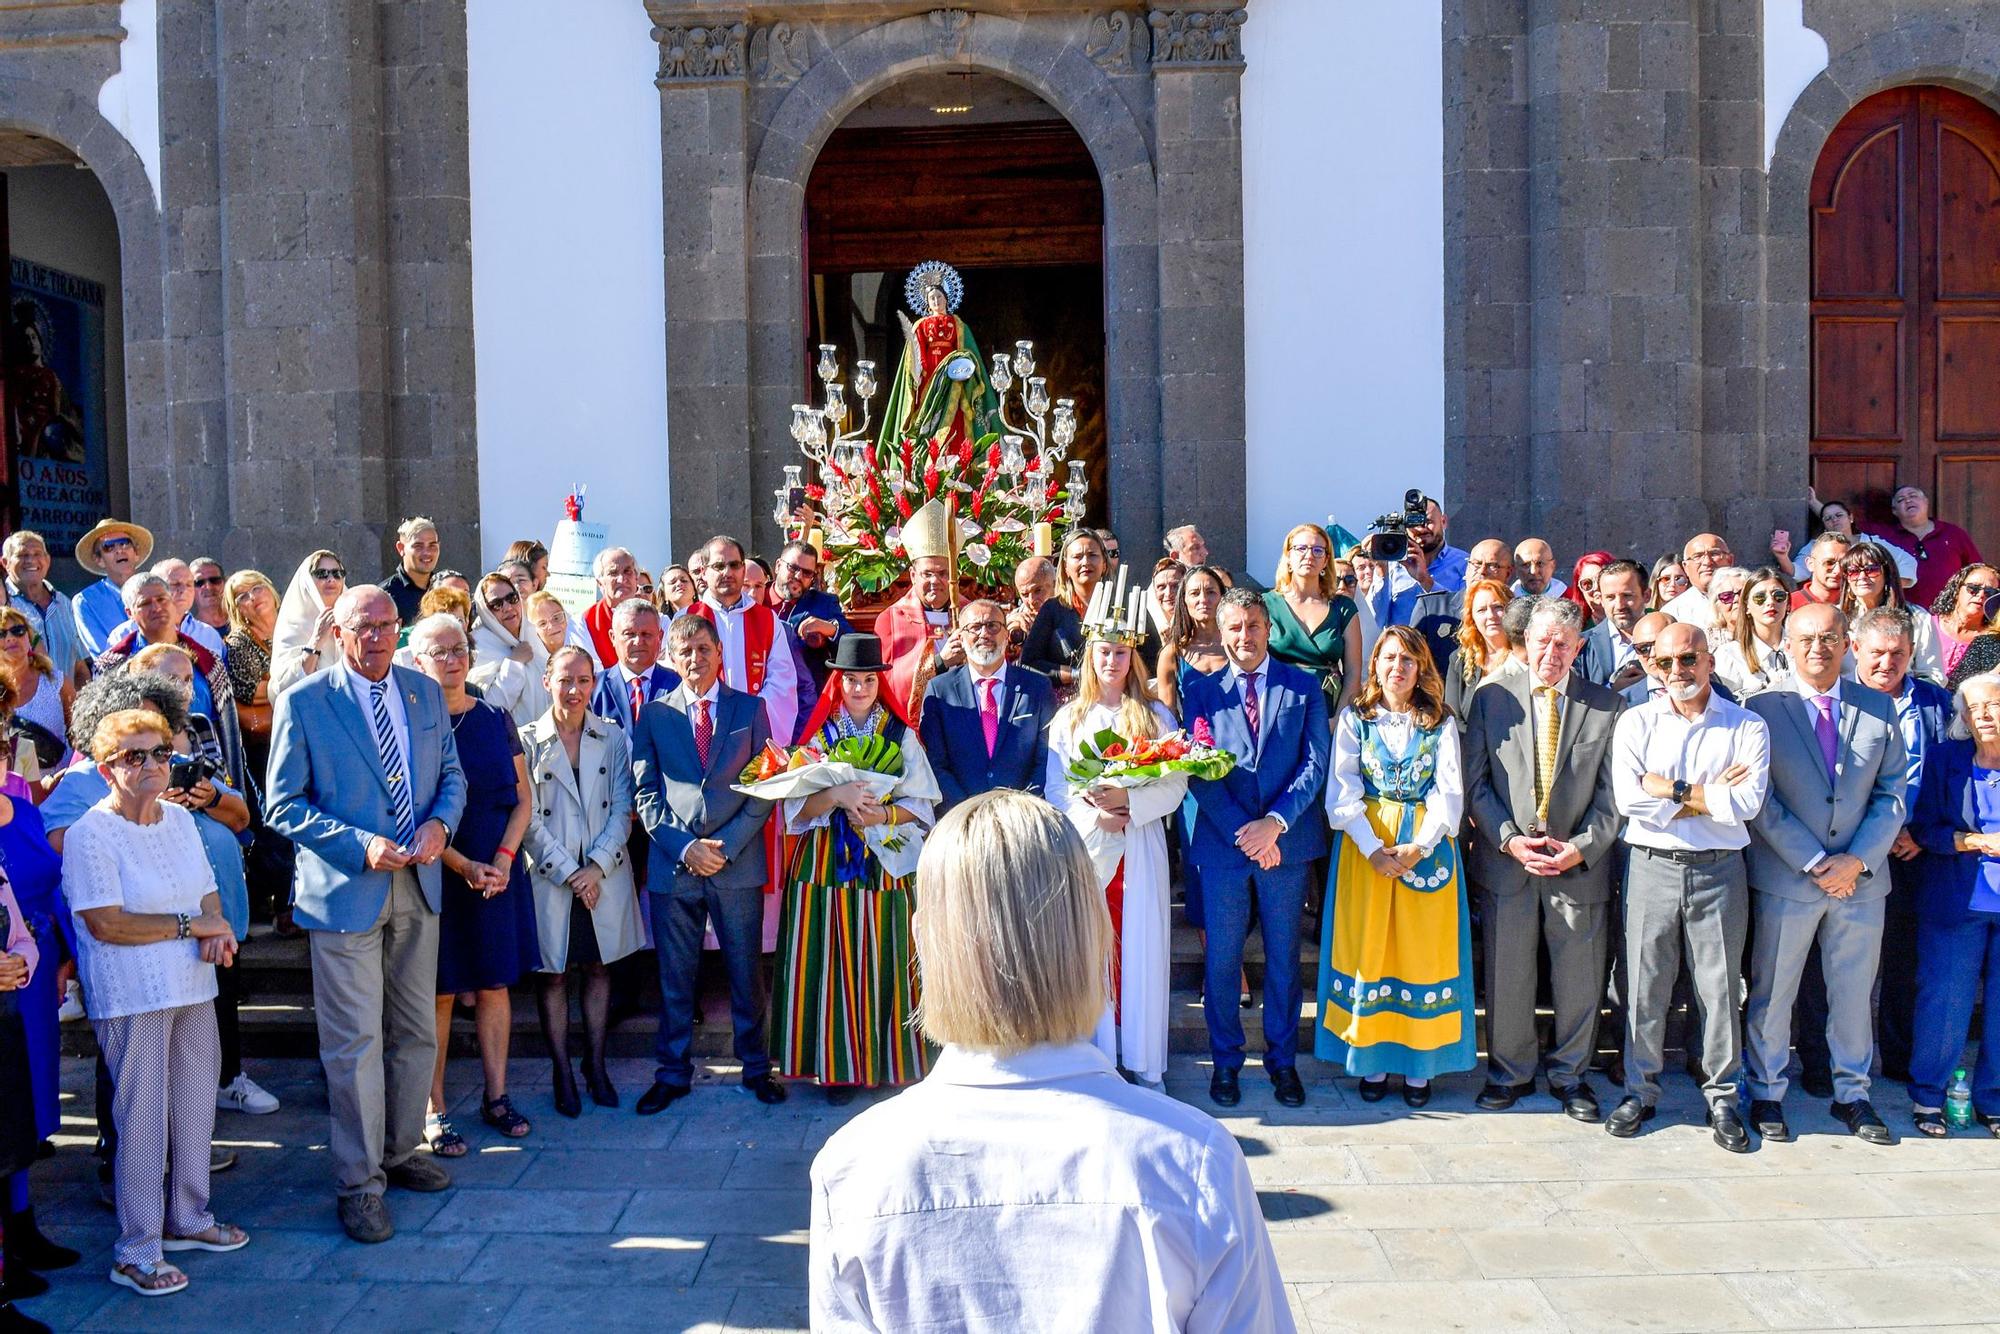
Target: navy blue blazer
column 612, row 698
column 1599, row 660
column 1283, row 773
column 1945, row 806
column 1436, row 617
column 817, row 604
column 955, row 743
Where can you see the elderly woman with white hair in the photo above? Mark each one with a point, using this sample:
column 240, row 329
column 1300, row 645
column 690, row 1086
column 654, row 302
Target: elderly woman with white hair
column 1957, row 824
column 486, row 930
column 1102, row 1205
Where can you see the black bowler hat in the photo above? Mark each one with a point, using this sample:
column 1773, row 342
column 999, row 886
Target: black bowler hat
column 857, row 653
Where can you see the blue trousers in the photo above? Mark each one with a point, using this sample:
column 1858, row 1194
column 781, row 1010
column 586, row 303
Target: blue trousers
column 1958, row 958
column 1280, row 897
column 678, row 911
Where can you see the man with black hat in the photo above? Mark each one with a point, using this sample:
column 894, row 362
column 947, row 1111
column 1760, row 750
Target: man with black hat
column 115, row 549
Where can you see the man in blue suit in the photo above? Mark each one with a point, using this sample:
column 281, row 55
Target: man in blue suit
column 986, row 725
column 364, row 779
column 708, row 853
column 814, row 615
column 624, row 688
column 1254, row 832
column 1611, row 656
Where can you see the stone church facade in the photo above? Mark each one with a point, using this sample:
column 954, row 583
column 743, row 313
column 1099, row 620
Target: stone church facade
column 1625, row 246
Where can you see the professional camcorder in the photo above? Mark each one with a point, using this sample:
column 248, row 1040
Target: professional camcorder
column 1391, row 539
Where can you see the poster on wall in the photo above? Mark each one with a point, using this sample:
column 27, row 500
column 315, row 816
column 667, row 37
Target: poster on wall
column 55, row 402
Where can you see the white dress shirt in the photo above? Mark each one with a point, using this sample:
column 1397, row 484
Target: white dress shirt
column 1556, row 589
column 1347, row 799
column 1654, row 739
column 1038, row 1191
column 1742, row 676
column 1691, row 608
column 780, row 689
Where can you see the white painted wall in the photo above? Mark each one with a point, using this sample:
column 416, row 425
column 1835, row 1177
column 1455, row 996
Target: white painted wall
column 1794, row 55
column 568, row 290
column 1343, row 256
column 130, row 99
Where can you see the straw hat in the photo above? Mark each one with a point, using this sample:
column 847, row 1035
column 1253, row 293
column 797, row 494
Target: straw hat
column 86, row 550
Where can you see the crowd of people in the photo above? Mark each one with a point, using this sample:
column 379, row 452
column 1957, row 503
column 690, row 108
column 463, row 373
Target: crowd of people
column 1772, row 789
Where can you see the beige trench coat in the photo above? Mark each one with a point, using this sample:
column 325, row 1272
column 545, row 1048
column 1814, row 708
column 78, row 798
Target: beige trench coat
column 571, row 826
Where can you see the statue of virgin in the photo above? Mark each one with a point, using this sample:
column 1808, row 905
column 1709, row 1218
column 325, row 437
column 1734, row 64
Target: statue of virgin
column 942, row 391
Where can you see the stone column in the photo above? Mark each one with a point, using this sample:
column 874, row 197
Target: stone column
column 1615, row 266
column 705, row 154
column 1197, row 63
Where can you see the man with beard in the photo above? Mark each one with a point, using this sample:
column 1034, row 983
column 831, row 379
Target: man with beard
column 417, row 552
column 1610, row 654
column 756, row 647
column 984, row 724
column 1444, row 563
column 814, row 614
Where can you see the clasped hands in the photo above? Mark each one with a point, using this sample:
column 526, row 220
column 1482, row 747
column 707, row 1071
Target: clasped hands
column 1542, row 855
column 1113, row 805
column 864, row 809
column 1838, row 874
column 586, row 884
column 1393, row 861
column 13, row 972
column 1258, row 840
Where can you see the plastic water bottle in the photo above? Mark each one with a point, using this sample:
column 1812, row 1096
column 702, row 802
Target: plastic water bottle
column 1958, row 1102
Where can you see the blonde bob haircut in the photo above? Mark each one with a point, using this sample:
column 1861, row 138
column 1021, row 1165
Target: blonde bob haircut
column 1013, row 938
column 118, row 730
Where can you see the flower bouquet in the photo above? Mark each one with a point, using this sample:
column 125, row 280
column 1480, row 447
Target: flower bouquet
column 879, row 764
column 1110, row 758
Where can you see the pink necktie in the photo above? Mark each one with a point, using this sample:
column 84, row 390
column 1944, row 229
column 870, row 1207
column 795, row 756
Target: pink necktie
column 638, row 696
column 1829, row 743
column 989, row 714
column 1250, row 715
column 704, row 731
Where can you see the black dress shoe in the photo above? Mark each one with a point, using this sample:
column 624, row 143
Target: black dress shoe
column 1817, row 1084
column 1416, row 1095
column 598, row 1081
column 1287, row 1088
column 568, row 1101
column 1374, row 1090
column 768, row 1090
column 1499, row 1097
column 838, row 1095
column 1767, row 1118
column 660, row 1097
column 26, row 1246
column 1627, row 1117
column 1861, row 1121
column 1728, row 1126
column 13, row 1320
column 22, row 1284
column 1223, row 1088
column 1579, row 1102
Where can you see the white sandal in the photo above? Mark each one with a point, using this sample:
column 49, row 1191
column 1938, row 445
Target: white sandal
column 200, row 1243
column 148, row 1270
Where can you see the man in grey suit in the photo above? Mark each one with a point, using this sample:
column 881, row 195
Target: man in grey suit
column 364, row 779
column 708, row 857
column 1538, row 788
column 1817, row 856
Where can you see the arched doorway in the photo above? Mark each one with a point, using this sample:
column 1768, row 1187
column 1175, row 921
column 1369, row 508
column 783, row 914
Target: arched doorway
column 1905, row 274
column 976, row 171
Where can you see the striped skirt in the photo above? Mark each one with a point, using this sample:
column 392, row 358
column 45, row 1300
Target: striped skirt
column 847, row 975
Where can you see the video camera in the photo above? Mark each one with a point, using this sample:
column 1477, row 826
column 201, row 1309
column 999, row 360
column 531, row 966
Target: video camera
column 1390, row 540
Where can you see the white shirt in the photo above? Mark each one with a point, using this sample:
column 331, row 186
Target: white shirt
column 1654, row 739
column 1691, row 608
column 1347, row 799
column 1038, row 1191
column 110, row 862
column 1736, row 671
column 1555, row 589
column 399, row 717
column 999, row 680
column 780, row 691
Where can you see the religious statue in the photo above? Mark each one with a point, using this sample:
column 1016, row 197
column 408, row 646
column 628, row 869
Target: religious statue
column 942, row 391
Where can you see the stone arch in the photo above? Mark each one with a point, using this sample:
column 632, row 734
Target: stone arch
column 1057, row 71
column 1921, row 50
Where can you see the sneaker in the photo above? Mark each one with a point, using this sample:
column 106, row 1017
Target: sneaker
column 242, row 1094
column 72, row 1006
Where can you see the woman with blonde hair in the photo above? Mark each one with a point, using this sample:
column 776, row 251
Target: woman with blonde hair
column 1147, row 1202
column 1125, row 831
column 1313, row 624
column 40, row 696
column 1483, row 650
column 1395, row 981
column 303, row 641
column 1054, row 646
column 1725, row 601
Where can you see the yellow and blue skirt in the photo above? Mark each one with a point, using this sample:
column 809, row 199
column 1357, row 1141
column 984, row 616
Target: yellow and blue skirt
column 1395, row 974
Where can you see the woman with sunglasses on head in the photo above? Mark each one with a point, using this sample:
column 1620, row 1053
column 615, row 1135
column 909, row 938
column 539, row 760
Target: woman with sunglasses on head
column 1750, row 654
column 508, row 658
column 1313, row 624
column 1872, row 582
column 303, row 640
column 1961, row 613
column 1670, row 580
column 41, row 698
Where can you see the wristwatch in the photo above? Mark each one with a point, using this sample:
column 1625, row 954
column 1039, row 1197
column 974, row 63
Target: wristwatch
column 1682, row 790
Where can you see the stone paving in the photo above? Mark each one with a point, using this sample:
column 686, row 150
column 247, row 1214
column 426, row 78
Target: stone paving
column 1447, row 1218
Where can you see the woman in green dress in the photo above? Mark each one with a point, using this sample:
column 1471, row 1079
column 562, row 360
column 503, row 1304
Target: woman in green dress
column 847, row 984
column 1313, row 623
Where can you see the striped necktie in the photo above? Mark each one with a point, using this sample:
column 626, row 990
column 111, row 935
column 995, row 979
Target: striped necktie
column 392, row 765
column 1545, row 752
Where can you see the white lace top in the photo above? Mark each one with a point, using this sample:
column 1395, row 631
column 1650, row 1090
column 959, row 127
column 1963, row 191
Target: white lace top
column 110, row 862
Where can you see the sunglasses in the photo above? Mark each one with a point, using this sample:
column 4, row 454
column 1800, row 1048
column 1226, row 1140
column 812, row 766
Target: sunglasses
column 1728, row 597
column 1665, row 663
column 509, row 600
column 113, row 544
column 136, row 759
column 1979, row 590
column 1349, row 581
column 330, row 572
column 1645, row 650
column 208, row 581
column 799, row 572
column 1860, row 568
column 1767, row 596
column 15, row 632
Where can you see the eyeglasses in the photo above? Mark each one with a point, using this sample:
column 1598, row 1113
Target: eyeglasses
column 989, row 627
column 799, row 572
column 370, row 629
column 1860, row 568
column 451, row 654
column 723, row 565
column 137, row 759
column 329, row 572
column 1666, row 661
column 645, row 591
column 1829, row 640
column 208, row 581
column 1307, row 549
column 512, row 599
column 1981, row 591
column 1645, row 650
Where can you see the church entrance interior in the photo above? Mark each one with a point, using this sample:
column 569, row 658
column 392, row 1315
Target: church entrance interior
column 981, row 174
column 1906, row 307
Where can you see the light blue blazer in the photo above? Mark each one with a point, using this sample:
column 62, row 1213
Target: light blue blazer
column 327, row 793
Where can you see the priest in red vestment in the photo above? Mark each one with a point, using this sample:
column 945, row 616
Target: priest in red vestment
column 915, row 630
column 617, row 574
